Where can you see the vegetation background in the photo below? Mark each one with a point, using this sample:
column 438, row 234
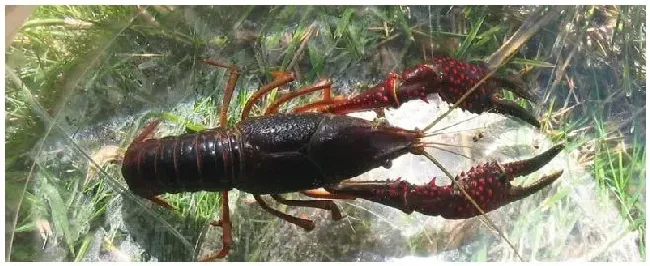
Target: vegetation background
column 79, row 78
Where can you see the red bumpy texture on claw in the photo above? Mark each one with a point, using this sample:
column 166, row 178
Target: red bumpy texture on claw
column 488, row 185
column 450, row 79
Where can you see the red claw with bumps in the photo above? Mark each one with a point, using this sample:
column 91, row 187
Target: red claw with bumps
column 488, row 185
column 450, row 79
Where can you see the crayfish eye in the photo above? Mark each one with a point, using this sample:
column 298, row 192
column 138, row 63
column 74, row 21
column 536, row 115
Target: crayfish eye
column 387, row 164
column 436, row 70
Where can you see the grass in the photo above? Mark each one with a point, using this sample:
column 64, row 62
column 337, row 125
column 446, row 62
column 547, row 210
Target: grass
column 82, row 77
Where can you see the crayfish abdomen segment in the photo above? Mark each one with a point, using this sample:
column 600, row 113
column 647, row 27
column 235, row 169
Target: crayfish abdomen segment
column 187, row 163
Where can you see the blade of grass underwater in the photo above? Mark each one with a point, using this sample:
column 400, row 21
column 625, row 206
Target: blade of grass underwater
column 467, row 43
column 532, row 24
column 316, row 59
column 379, row 14
column 243, row 16
column 342, row 24
column 58, row 211
column 531, row 62
column 301, row 31
column 487, row 36
column 437, row 34
column 402, row 21
column 352, row 38
column 556, row 197
column 83, row 248
column 176, row 119
column 68, row 23
column 29, row 226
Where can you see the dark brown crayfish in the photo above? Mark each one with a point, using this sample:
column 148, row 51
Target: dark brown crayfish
column 282, row 153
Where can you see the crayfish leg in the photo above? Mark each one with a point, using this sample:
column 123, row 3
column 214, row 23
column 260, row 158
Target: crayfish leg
column 226, row 227
column 318, row 105
column 279, row 80
column 146, row 131
column 160, row 202
column 322, row 194
column 324, row 85
column 306, row 224
column 327, row 205
column 233, row 76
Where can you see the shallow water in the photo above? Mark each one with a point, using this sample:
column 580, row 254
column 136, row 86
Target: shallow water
column 97, row 219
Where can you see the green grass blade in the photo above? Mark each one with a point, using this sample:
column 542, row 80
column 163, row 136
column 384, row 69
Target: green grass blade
column 59, row 213
column 467, row 43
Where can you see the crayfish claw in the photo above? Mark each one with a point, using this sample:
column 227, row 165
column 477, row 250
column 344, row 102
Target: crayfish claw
column 519, row 192
column 511, row 108
column 515, row 85
column 487, row 185
column 527, row 166
column 389, row 193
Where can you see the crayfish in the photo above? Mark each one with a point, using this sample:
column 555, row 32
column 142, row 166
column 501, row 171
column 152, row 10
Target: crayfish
column 319, row 146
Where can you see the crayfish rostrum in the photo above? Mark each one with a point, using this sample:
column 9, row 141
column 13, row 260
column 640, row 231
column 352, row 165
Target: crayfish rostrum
column 318, row 146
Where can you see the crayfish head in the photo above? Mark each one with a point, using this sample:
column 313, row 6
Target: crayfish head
column 345, row 147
